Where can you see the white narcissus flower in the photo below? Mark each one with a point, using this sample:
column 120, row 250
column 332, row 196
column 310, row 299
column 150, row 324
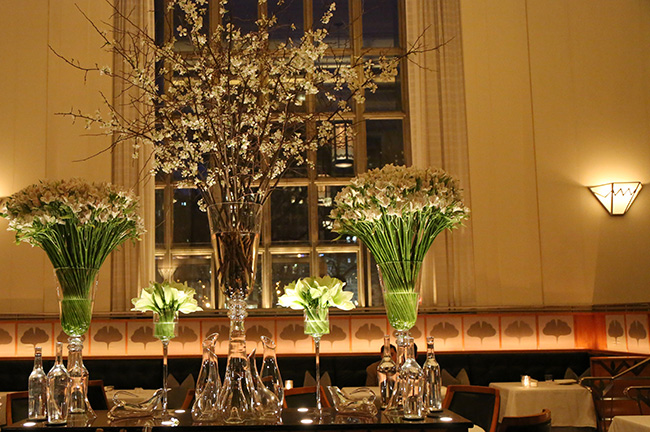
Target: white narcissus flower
column 398, row 211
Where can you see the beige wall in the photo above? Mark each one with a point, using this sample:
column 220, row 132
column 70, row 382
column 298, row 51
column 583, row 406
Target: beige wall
column 558, row 98
column 35, row 143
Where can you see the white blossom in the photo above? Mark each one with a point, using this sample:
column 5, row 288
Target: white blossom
column 227, row 116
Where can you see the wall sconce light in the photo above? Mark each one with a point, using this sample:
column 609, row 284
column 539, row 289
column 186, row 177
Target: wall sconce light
column 616, row 197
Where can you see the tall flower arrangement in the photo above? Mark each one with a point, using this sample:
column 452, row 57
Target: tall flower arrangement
column 397, row 212
column 77, row 224
column 224, row 109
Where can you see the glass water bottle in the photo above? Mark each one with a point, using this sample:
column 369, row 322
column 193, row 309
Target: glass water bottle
column 58, row 390
column 411, row 380
column 386, row 374
column 432, row 380
column 37, row 401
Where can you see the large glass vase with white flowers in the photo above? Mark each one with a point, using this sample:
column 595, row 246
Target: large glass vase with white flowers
column 397, row 212
column 78, row 225
column 166, row 300
column 315, row 296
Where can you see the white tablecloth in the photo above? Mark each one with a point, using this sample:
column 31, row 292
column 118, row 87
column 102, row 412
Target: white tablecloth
column 638, row 423
column 571, row 405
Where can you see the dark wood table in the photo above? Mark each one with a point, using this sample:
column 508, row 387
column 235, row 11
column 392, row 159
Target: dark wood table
column 292, row 420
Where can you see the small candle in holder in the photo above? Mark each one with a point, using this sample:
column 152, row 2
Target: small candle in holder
column 288, row 384
column 525, row 380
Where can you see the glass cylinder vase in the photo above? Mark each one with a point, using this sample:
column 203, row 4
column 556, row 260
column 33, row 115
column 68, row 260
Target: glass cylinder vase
column 165, row 325
column 76, row 289
column 317, row 321
column 235, row 235
column 76, row 293
column 400, row 285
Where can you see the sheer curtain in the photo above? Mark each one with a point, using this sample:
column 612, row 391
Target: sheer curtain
column 439, row 139
column 133, row 265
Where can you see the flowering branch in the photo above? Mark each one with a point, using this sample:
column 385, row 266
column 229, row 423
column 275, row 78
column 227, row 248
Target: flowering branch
column 226, row 112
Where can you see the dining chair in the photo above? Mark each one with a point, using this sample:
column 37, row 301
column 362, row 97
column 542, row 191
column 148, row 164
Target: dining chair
column 97, row 395
column 304, row 397
column 531, row 423
column 476, row 403
column 189, row 399
column 17, row 406
column 641, row 395
column 611, row 376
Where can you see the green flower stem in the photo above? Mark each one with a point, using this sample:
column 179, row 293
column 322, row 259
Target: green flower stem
column 165, row 324
column 401, row 292
column 72, row 245
column 317, row 321
column 402, row 309
column 164, row 330
column 76, row 296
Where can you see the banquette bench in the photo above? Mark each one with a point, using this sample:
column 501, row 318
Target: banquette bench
column 344, row 370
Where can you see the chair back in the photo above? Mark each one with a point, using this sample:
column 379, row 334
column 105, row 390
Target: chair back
column 189, row 399
column 532, row 423
column 17, row 406
column 97, row 395
column 641, row 395
column 476, row 403
column 610, row 377
column 304, row 397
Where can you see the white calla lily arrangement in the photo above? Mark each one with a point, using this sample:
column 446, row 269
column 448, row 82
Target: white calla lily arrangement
column 316, row 296
column 166, row 299
column 318, row 292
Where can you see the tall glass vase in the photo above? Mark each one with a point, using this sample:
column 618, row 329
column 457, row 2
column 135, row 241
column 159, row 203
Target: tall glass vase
column 76, row 294
column 165, row 328
column 400, row 285
column 317, row 324
column 235, row 234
